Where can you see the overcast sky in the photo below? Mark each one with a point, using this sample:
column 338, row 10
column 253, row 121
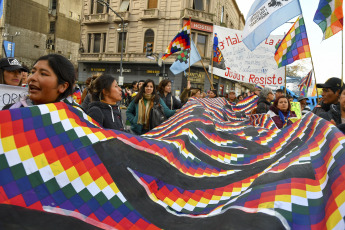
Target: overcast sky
column 326, row 54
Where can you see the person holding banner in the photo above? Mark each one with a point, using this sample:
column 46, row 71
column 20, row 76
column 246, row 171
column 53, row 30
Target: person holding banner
column 11, row 71
column 52, row 80
column 280, row 112
column 104, row 109
column 264, row 102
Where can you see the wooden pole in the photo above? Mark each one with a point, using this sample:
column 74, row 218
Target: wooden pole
column 207, row 74
column 285, row 82
column 317, row 92
column 212, row 55
column 190, row 49
column 342, row 57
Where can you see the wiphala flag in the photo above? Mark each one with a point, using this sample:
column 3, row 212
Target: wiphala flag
column 210, row 166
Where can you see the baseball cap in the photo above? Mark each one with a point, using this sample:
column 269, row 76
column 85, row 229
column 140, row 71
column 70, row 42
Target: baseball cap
column 10, row 64
column 300, row 98
column 232, row 91
column 332, row 82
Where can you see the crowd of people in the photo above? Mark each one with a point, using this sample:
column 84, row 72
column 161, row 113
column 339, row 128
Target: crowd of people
column 52, row 79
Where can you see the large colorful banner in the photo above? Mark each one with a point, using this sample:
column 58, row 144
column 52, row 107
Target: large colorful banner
column 210, row 166
column 241, row 64
column 11, row 94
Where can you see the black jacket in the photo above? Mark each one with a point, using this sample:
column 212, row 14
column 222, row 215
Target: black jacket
column 171, row 101
column 263, row 105
column 332, row 114
column 108, row 116
column 321, row 108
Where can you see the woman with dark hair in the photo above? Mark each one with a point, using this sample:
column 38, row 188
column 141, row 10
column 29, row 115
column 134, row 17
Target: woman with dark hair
column 52, row 80
column 106, row 93
column 139, row 110
column 240, row 98
column 86, row 97
column 11, row 72
column 280, row 112
column 164, row 91
column 212, row 93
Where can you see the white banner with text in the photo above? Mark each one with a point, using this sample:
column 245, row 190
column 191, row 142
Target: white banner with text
column 11, row 94
column 238, row 63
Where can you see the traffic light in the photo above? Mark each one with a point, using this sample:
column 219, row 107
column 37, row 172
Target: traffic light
column 149, row 49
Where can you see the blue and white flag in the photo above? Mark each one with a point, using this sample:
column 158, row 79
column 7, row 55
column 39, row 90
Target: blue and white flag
column 182, row 61
column 265, row 16
column 1, row 8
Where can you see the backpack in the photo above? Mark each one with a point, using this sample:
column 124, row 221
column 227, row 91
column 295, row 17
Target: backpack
column 157, row 115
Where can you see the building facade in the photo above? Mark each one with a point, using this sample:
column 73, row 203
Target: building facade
column 40, row 27
column 156, row 22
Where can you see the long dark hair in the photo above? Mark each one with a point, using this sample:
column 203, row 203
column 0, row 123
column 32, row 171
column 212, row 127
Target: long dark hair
column 275, row 103
column 142, row 91
column 63, row 69
column 162, row 85
column 2, row 78
column 103, row 82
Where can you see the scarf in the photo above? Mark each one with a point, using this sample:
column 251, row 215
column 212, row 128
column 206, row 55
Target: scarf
column 283, row 118
column 144, row 110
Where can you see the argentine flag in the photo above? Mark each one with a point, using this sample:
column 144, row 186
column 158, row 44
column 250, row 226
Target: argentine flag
column 265, row 16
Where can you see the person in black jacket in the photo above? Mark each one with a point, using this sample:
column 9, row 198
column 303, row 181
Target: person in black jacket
column 336, row 113
column 330, row 95
column 164, row 91
column 104, row 106
column 264, row 102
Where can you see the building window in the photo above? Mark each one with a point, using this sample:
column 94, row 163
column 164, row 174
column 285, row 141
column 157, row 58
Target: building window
column 124, row 6
column 198, row 4
column 152, row 4
column 208, row 6
column 201, row 44
column 149, row 38
column 120, row 42
column 98, row 8
column 52, row 27
column 97, row 42
column 222, row 15
column 53, row 4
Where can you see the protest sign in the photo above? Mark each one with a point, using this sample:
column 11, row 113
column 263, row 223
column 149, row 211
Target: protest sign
column 241, row 64
column 11, row 94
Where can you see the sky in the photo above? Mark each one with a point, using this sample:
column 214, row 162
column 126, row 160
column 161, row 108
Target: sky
column 326, row 54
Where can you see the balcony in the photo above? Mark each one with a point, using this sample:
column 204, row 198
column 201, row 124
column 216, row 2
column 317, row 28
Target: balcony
column 124, row 15
column 150, row 14
column 198, row 15
column 96, row 18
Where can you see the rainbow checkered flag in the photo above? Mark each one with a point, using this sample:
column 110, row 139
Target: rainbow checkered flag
column 294, row 45
column 306, row 81
column 180, row 42
column 329, row 17
column 210, row 166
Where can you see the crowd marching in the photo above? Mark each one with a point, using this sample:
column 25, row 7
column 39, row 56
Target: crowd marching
column 52, row 79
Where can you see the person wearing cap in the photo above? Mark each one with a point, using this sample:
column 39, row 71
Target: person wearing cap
column 264, row 102
column 232, row 97
column 330, row 94
column 303, row 102
column 52, row 80
column 279, row 93
column 10, row 71
column 336, row 113
column 257, row 91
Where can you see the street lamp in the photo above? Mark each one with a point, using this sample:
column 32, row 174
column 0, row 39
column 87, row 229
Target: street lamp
column 123, row 29
column 13, row 35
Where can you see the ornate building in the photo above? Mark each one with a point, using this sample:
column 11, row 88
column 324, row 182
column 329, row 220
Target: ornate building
column 39, row 27
column 150, row 21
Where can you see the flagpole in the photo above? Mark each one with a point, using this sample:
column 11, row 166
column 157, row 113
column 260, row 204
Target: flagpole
column 207, row 74
column 190, row 41
column 311, row 57
column 312, row 64
column 342, row 57
column 285, row 81
column 212, row 56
